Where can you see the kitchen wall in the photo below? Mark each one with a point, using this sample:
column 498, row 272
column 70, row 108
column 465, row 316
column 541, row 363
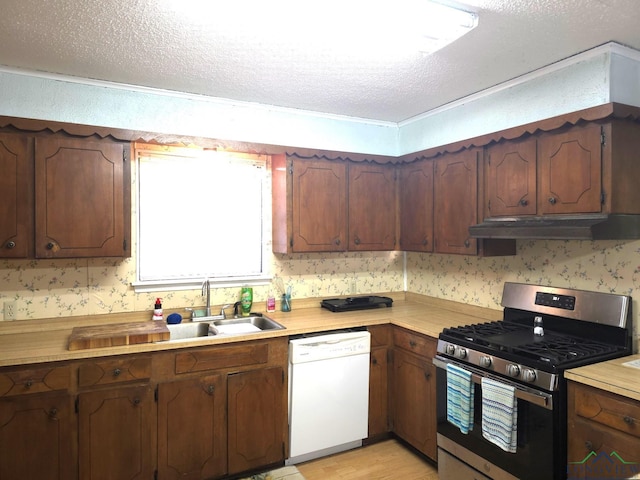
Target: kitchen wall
column 604, row 266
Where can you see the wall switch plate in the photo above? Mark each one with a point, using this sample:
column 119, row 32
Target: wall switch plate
column 10, row 310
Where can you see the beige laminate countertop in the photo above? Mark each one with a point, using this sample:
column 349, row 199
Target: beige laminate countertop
column 46, row 341
column 612, row 376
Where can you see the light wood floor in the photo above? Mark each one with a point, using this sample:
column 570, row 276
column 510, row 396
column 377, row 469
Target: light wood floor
column 388, row 460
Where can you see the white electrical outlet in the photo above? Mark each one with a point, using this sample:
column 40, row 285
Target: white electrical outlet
column 10, row 310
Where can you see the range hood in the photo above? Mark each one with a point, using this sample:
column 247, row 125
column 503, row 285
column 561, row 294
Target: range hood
column 560, row 227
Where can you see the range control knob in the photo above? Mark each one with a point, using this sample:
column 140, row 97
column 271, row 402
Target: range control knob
column 451, row 349
column 485, row 361
column 529, row 375
column 461, row 353
column 513, row 370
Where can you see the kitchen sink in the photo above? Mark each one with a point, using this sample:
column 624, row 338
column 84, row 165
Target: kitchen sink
column 228, row 326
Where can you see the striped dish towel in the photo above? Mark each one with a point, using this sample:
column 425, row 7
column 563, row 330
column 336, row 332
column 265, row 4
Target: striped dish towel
column 499, row 414
column 460, row 398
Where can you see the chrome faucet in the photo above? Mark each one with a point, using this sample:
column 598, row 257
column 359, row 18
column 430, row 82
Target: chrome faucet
column 206, row 292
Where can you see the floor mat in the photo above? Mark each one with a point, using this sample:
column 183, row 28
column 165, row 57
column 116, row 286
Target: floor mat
column 284, row 473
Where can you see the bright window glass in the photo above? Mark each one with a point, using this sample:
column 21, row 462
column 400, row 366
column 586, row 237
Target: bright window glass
column 201, row 214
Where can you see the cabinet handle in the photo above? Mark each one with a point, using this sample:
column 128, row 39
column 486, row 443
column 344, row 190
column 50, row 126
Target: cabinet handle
column 50, row 246
column 427, row 375
column 117, row 372
column 374, row 361
column 11, row 245
column 524, row 202
column 628, row 420
column 467, row 243
column 552, row 200
column 210, row 389
column 588, row 445
column 53, row 412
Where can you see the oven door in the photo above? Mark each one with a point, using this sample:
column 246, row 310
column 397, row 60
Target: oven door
column 540, row 438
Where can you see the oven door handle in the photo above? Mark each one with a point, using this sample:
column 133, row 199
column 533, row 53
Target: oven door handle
column 536, row 397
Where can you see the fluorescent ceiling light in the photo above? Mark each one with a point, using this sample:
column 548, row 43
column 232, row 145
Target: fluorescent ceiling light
column 442, row 25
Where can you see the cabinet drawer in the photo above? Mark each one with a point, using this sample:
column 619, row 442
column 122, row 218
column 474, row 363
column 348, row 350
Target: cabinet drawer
column 414, row 342
column 380, row 335
column 34, row 380
column 221, row 357
column 114, row 370
column 607, row 409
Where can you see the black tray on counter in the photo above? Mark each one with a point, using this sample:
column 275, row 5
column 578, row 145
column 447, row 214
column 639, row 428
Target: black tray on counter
column 355, row 303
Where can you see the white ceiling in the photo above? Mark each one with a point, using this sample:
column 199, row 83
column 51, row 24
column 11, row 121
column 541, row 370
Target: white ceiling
column 278, row 52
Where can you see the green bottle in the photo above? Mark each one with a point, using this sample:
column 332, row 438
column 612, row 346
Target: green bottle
column 246, row 300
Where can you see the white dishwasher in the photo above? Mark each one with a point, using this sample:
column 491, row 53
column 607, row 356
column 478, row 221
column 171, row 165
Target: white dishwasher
column 328, row 394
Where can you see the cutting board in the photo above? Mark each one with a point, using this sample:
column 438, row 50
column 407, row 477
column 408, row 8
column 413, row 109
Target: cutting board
column 112, row 335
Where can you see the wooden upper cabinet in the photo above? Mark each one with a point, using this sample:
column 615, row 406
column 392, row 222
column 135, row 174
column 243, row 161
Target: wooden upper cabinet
column 511, row 178
column 372, row 207
column 80, row 198
column 16, row 197
column 570, row 166
column 456, row 202
column 309, row 205
column 416, row 206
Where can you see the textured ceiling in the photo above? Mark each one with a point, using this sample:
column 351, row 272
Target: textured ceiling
column 284, row 52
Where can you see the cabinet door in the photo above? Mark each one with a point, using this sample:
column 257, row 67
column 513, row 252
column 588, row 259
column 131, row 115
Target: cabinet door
column 372, row 207
column 378, row 392
column 414, row 401
column 38, row 438
column 117, row 433
column 416, row 206
column 319, row 206
column 456, row 202
column 192, row 435
column 511, row 178
column 257, row 403
column 16, row 204
column 570, row 166
column 80, row 198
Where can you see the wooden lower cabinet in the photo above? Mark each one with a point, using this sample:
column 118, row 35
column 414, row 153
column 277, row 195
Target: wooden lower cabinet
column 603, row 434
column 379, row 388
column 192, row 434
column 414, row 392
column 37, row 437
column 117, row 433
column 257, row 405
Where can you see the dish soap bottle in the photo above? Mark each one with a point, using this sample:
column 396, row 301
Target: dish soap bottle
column 246, row 300
column 271, row 303
column 157, row 310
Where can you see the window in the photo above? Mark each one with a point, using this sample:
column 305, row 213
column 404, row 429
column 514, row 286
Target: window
column 201, row 214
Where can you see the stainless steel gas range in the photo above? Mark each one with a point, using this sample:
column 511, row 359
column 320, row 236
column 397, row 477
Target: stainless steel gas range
column 514, row 372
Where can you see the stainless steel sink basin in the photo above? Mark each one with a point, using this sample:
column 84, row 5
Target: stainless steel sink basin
column 181, row 331
column 230, row 326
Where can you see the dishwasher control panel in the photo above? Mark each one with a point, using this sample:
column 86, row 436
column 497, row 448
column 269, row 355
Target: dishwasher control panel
column 332, row 345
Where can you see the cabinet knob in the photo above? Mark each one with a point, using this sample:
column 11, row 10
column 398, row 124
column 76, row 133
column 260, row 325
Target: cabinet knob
column 588, row 445
column 11, row 245
column 210, row 389
column 467, row 243
column 53, row 412
column 356, row 241
column 117, row 372
column 552, row 200
column 412, row 343
column 50, row 246
column 427, row 375
column 524, row 202
column 374, row 360
column 425, row 241
column 136, row 401
column 628, row 420
column 337, row 241
column 28, row 384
